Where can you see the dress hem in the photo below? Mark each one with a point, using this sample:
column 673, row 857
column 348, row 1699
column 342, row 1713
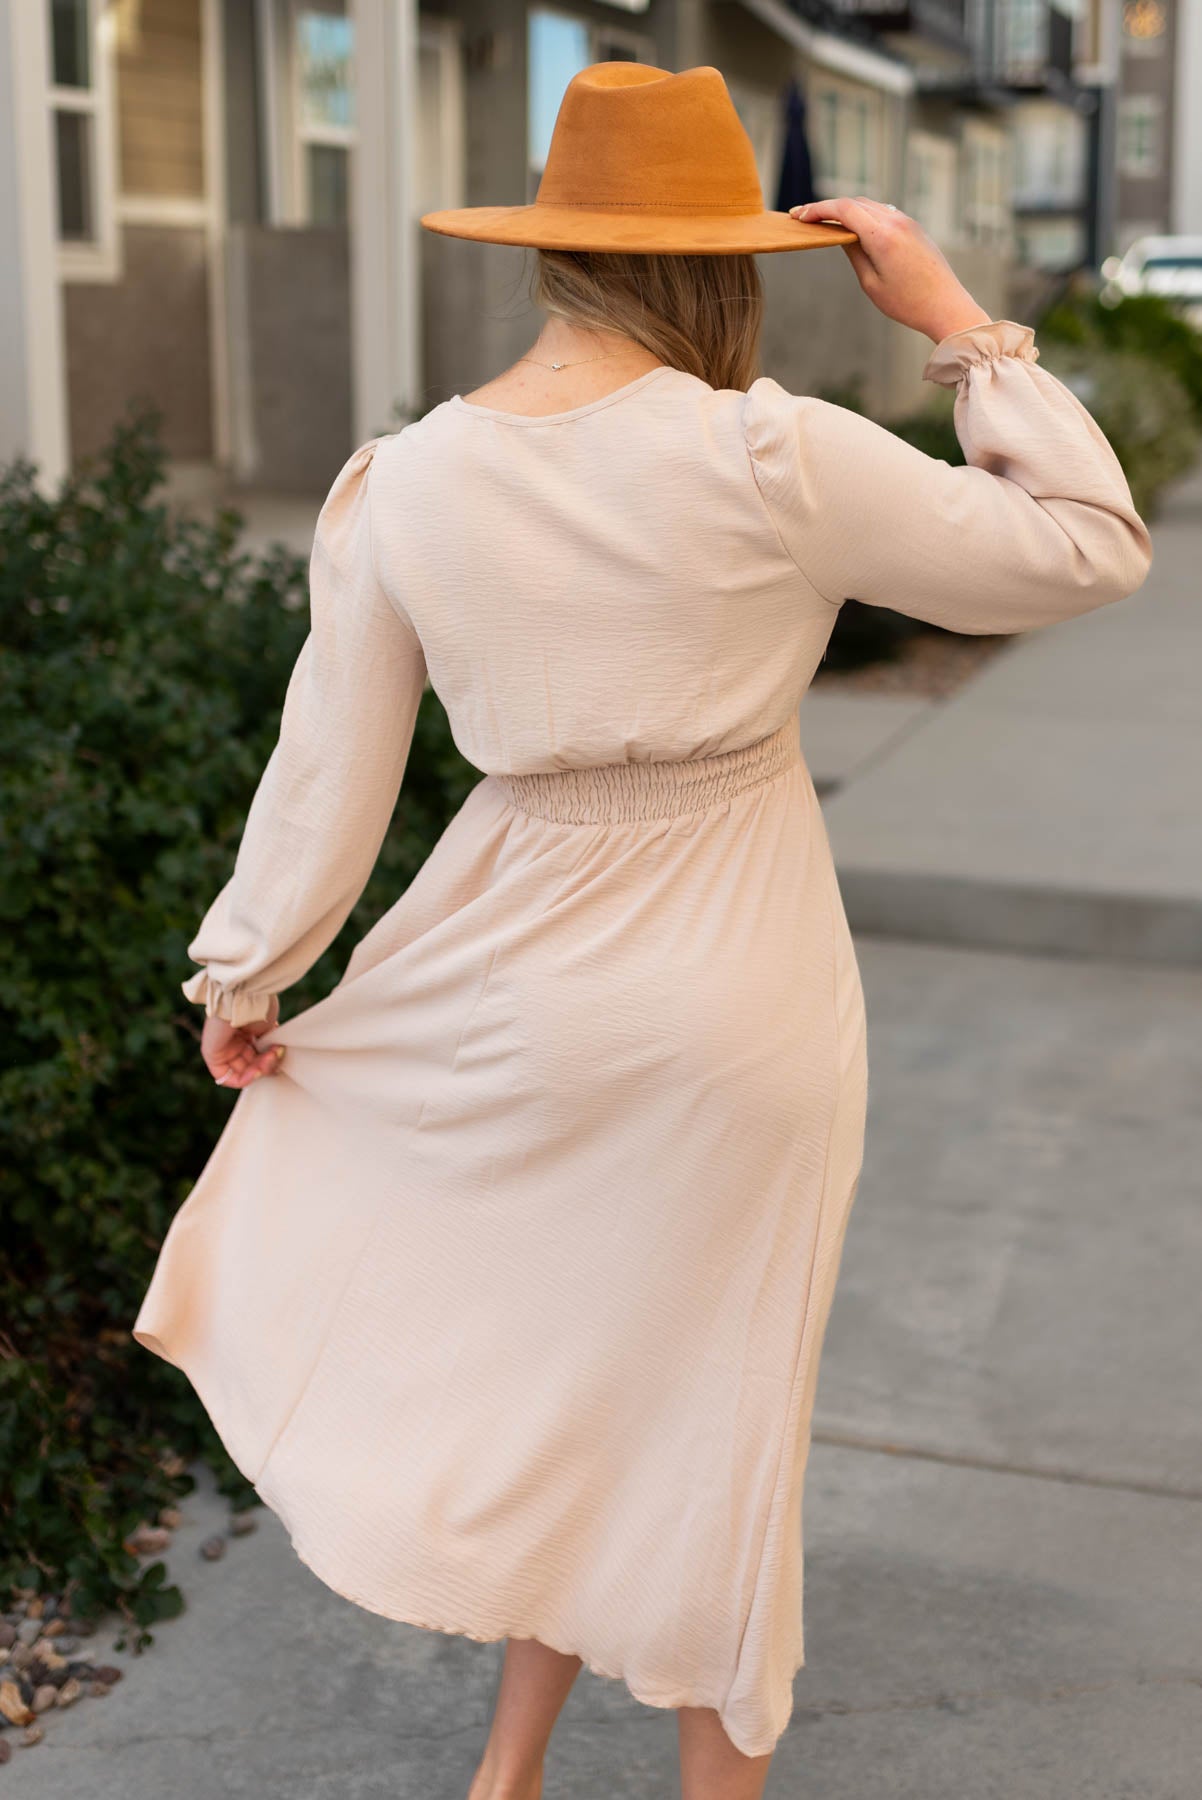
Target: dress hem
column 150, row 1340
column 670, row 1702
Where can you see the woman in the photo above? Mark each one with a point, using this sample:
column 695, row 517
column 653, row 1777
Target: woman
column 508, row 1290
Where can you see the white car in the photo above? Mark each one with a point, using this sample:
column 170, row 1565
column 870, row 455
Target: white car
column 1169, row 266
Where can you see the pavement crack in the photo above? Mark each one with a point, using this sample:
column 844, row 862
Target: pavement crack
column 219, row 1735
column 1123, row 1484
column 954, row 1698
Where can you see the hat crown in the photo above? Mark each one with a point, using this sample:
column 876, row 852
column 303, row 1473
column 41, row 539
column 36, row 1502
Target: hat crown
column 635, row 137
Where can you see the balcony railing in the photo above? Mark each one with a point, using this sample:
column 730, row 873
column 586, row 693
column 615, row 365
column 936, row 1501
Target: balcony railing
column 1023, row 44
column 941, row 21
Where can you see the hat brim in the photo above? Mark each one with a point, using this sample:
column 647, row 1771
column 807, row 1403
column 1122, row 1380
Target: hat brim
column 547, row 227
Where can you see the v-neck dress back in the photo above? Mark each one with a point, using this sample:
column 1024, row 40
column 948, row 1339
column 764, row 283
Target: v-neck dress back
column 508, row 1291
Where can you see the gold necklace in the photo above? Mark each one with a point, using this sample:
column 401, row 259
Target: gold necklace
column 570, row 365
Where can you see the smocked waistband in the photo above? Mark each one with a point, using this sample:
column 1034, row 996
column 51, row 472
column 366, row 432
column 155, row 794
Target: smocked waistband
column 621, row 791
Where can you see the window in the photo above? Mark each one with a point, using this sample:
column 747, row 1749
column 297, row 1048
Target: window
column 762, row 118
column 1057, row 245
column 558, row 46
column 1051, row 152
column 931, row 184
column 324, row 100
column 82, row 118
column 987, row 184
column 441, row 115
column 1023, row 34
column 1140, row 122
column 846, row 140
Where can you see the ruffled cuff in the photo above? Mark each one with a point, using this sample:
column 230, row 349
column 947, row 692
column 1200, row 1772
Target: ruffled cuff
column 239, row 1006
column 960, row 351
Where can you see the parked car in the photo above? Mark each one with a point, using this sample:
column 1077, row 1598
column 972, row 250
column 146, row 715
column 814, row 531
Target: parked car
column 1168, row 266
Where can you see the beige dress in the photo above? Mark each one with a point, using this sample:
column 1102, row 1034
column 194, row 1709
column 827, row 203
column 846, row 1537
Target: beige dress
column 508, row 1292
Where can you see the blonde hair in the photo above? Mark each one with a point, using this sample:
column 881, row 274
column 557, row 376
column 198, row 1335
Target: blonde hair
column 702, row 314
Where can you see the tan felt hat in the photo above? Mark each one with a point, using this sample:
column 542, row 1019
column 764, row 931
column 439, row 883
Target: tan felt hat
column 644, row 160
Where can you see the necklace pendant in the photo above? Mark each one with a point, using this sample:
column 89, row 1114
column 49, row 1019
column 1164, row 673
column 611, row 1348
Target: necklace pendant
column 558, row 365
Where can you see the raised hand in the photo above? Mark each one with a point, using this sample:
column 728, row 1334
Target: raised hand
column 900, row 268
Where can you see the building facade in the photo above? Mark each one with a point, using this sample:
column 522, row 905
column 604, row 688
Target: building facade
column 212, row 205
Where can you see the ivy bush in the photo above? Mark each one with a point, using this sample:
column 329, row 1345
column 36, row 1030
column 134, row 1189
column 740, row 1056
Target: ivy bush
column 143, row 665
column 1142, row 407
column 1143, row 324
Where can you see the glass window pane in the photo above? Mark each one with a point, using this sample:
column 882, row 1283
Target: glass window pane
column 69, row 59
column 861, row 140
column 72, row 132
column 328, row 196
column 828, row 132
column 558, row 48
column 325, row 42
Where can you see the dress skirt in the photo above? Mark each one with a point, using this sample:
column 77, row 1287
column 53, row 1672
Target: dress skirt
column 508, row 1292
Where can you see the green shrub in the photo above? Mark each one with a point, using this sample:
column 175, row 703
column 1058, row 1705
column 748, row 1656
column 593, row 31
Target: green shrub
column 1140, row 405
column 143, row 667
column 1147, row 324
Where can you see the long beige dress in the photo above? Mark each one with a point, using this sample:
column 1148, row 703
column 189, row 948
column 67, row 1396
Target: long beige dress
column 508, row 1292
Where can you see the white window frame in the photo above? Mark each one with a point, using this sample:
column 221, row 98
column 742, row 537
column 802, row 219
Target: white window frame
column 986, row 219
column 848, row 97
column 1150, row 165
column 99, row 258
column 285, row 134
column 1025, row 32
column 762, row 118
column 306, row 135
column 933, row 150
column 639, row 43
column 443, row 38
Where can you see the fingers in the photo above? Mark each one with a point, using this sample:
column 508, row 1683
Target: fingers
column 239, row 1064
column 857, row 217
column 267, row 1061
column 855, row 214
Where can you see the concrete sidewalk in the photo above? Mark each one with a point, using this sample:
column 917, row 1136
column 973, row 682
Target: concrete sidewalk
column 1053, row 802
column 1004, row 1500
column 1003, row 1511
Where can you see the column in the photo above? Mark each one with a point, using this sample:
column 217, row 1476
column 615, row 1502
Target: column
column 385, row 284
column 33, row 400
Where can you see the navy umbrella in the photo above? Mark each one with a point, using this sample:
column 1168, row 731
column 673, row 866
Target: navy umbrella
column 796, row 185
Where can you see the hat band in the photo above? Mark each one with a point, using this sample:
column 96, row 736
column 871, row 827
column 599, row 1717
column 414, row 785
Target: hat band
column 740, row 209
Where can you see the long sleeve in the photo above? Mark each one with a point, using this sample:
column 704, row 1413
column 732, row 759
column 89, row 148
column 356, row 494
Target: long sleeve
column 326, row 796
column 1039, row 526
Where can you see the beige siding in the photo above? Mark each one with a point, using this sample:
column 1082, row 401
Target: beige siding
column 159, row 88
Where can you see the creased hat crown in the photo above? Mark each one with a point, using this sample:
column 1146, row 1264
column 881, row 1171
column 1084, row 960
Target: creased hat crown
column 631, row 136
